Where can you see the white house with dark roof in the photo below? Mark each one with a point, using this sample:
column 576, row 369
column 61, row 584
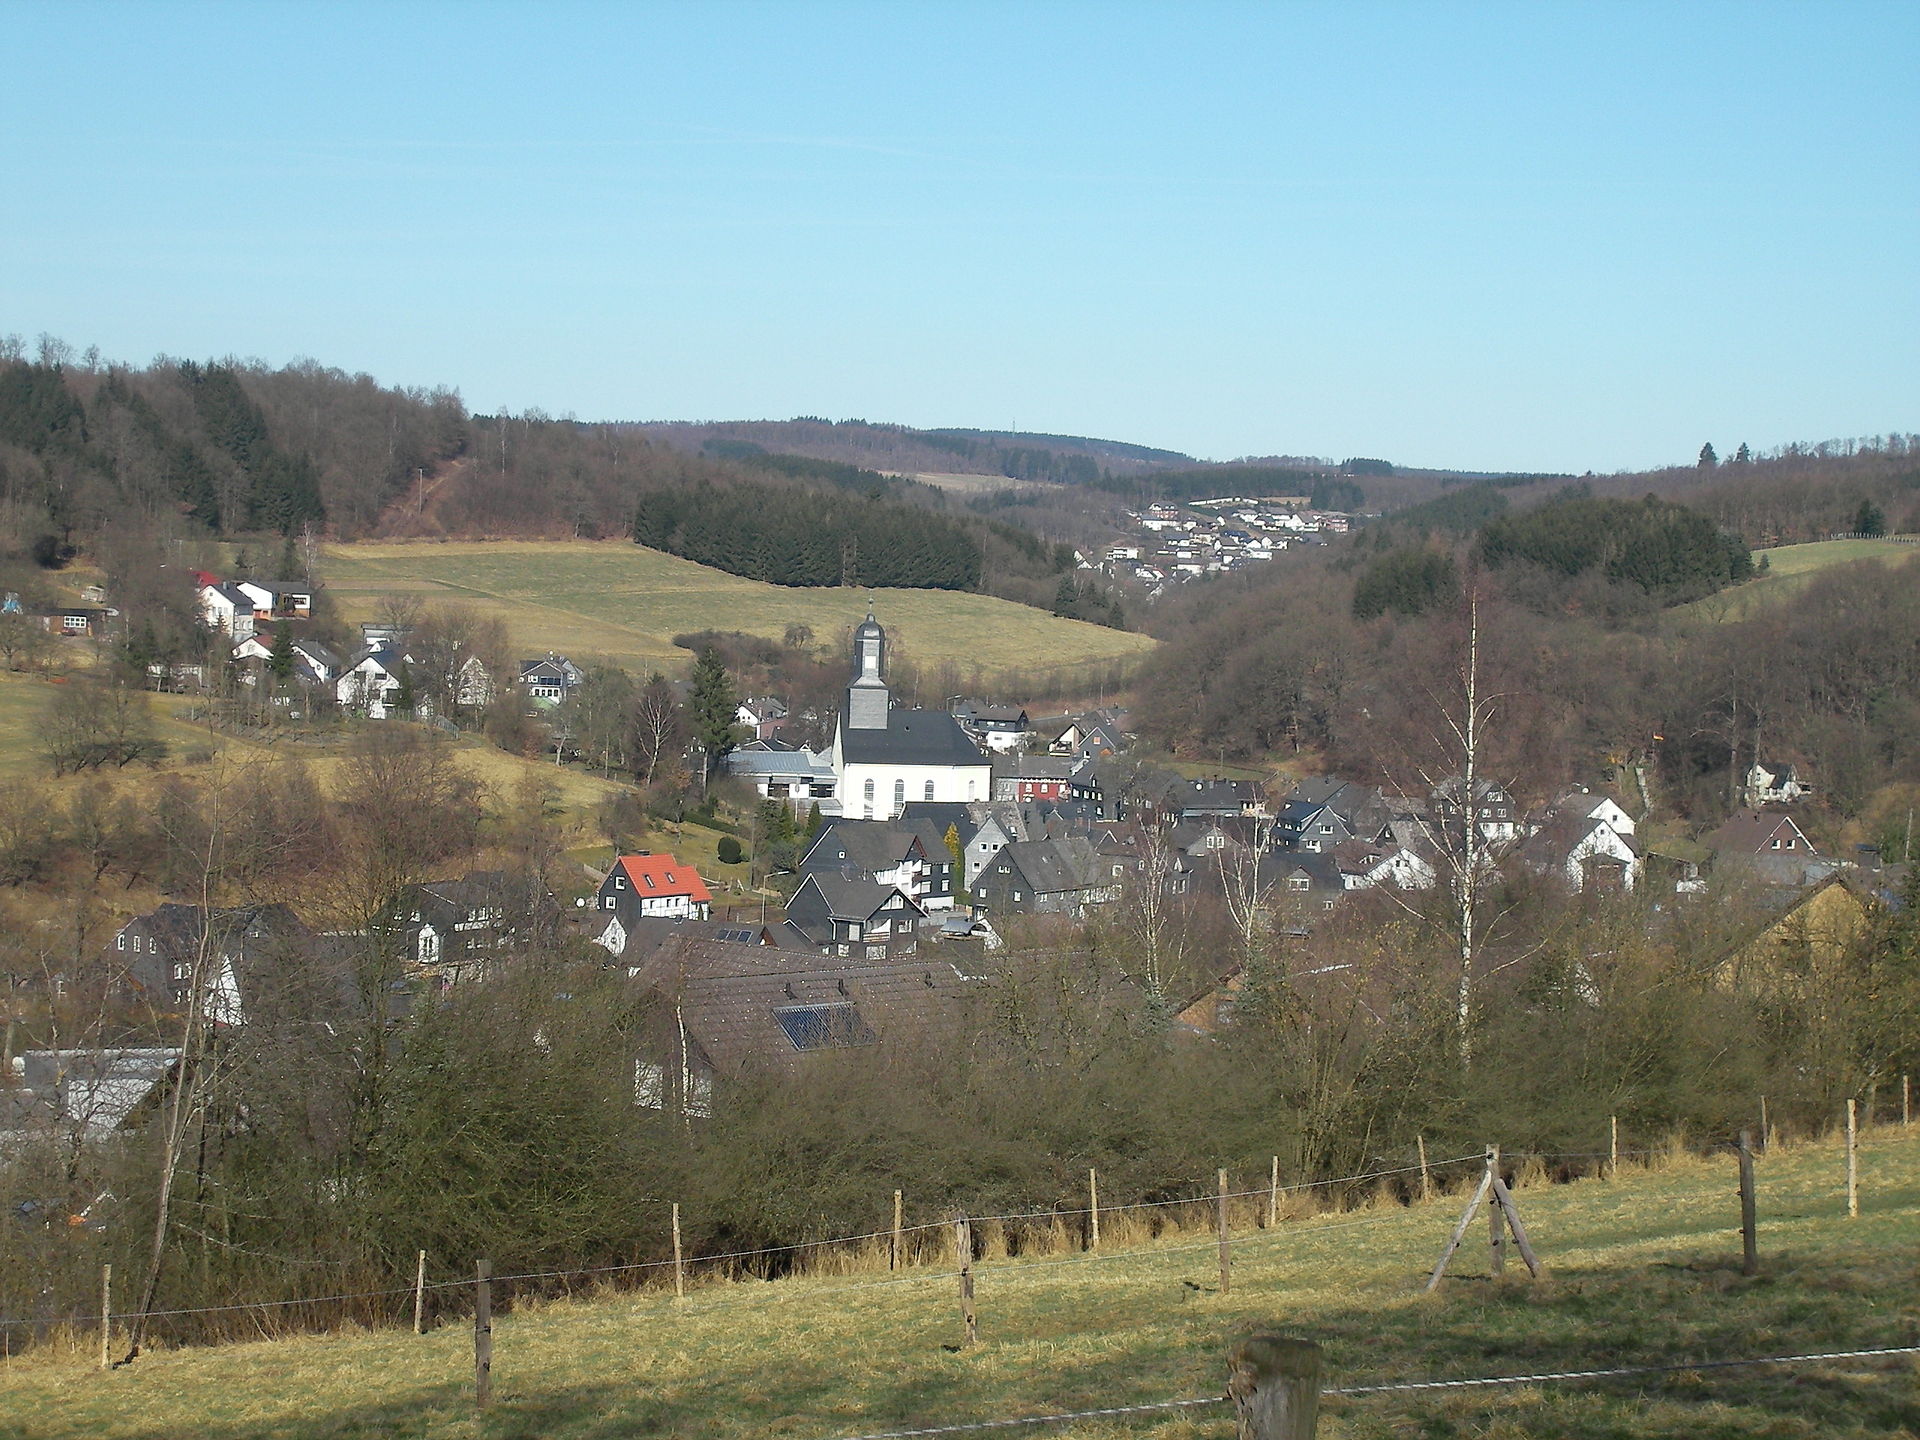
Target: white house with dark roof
column 884, row 757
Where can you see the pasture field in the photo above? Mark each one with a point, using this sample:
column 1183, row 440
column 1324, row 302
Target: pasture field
column 192, row 749
column 1789, row 569
column 1642, row 1270
column 618, row 602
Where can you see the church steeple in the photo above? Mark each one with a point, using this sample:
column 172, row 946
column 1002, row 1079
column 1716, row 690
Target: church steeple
column 867, row 698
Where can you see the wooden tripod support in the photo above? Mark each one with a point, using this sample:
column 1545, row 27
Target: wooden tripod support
column 1502, row 1216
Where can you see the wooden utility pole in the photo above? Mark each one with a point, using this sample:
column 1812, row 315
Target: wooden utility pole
column 420, row 1293
column 679, row 1261
column 1093, row 1209
column 1273, row 1195
column 1749, row 1237
column 1274, row 1383
column 963, row 1258
column 895, row 1258
column 1426, row 1176
column 1226, row 1258
column 1853, row 1163
column 483, row 1333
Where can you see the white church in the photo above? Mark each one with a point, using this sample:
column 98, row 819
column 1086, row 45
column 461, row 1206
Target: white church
column 881, row 758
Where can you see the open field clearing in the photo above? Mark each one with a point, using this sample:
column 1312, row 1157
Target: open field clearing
column 194, row 750
column 614, row 601
column 1643, row 1270
column 1789, row 568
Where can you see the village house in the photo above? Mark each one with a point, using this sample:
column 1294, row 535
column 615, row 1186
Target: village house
column 236, row 956
column 370, row 681
column 799, row 776
column 853, row 915
column 741, row 1015
column 1045, row 877
column 550, row 680
column 764, row 715
column 994, row 728
column 909, row 854
column 238, row 608
column 648, row 885
column 1768, row 844
column 1773, row 782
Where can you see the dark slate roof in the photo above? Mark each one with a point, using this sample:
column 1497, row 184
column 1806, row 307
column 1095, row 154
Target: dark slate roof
column 740, row 1020
column 869, row 845
column 857, row 898
column 1322, row 871
column 912, row 737
column 940, row 814
column 669, row 961
column 1053, row 867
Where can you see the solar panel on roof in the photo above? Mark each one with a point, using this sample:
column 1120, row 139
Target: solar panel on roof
column 818, row 1027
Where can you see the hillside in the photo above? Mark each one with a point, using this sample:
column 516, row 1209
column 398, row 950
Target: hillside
column 1642, row 1270
column 900, row 448
column 624, row 604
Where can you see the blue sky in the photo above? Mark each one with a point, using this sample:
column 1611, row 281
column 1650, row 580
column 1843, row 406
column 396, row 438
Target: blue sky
column 1563, row 237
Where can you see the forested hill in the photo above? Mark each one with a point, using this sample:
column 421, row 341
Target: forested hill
column 183, row 449
column 1060, row 459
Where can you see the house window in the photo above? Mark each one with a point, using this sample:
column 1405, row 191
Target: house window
column 1017, row 895
column 609, row 902
column 1776, row 842
column 619, row 882
column 179, row 970
column 649, row 1084
column 123, row 942
column 1297, row 883
column 876, row 952
column 929, row 794
column 899, row 795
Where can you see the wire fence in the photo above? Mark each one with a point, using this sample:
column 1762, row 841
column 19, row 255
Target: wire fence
column 1482, row 1382
column 726, row 1257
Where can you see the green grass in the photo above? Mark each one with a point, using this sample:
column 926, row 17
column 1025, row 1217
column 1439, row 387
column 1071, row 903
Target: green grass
column 620, row 603
column 1789, row 570
column 1641, row 1270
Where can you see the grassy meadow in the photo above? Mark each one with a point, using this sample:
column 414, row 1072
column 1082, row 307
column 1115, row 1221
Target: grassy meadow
column 618, row 602
column 1789, row 569
column 1643, row 1269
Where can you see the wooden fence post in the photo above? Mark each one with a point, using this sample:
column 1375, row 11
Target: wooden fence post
column 1613, row 1147
column 679, row 1261
column 1274, row 1383
column 963, row 1258
column 106, row 1317
column 1460, row 1231
column 1226, row 1259
column 1273, row 1195
column 1906, row 1100
column 1496, row 1219
column 1426, row 1176
column 420, row 1293
column 1853, row 1163
column 894, row 1261
column 483, row 1333
column 1749, row 1239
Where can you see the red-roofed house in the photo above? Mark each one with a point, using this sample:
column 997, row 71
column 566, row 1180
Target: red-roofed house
column 646, row 885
